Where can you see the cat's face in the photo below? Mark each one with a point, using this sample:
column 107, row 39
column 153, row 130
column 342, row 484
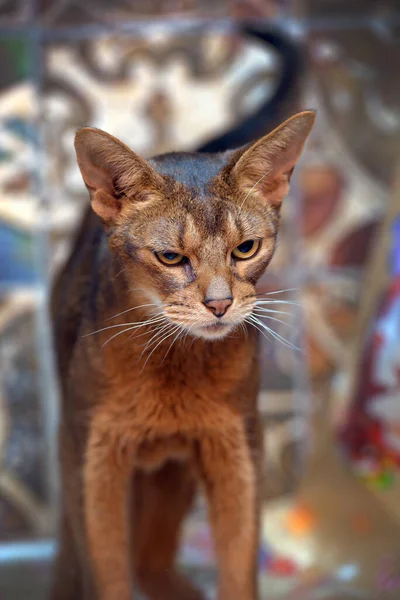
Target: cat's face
column 198, row 258
column 194, row 232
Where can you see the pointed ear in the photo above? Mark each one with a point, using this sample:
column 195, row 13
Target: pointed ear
column 113, row 174
column 265, row 167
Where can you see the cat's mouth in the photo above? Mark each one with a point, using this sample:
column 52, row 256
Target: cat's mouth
column 199, row 326
column 216, row 330
column 216, row 326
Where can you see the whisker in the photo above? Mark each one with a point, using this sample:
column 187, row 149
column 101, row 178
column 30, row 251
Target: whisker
column 276, row 335
column 119, row 273
column 243, row 328
column 193, row 339
column 277, row 292
column 155, row 335
column 137, row 324
column 155, row 325
column 116, row 335
column 165, row 337
column 187, row 331
column 252, row 188
column 263, row 310
column 278, row 321
column 129, row 309
column 172, row 343
column 283, row 340
column 136, row 337
column 253, row 324
column 264, row 333
column 290, row 302
column 149, row 322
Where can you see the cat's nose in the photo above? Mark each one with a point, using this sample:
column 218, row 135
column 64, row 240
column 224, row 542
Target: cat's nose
column 218, row 307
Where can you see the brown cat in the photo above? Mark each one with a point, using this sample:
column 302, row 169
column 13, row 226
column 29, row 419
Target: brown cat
column 159, row 376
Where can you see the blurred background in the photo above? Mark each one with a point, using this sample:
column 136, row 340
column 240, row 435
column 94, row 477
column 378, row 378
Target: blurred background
column 173, row 75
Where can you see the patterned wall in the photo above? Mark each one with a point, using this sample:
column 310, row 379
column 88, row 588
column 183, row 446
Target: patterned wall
column 164, row 88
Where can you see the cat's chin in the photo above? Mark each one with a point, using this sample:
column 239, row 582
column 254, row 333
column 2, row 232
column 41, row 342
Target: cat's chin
column 216, row 331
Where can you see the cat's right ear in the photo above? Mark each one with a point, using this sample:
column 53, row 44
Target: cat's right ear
column 113, row 173
column 265, row 167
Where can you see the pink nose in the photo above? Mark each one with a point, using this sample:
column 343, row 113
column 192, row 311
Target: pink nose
column 218, row 307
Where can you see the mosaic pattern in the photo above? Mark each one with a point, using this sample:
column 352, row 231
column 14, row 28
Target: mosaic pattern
column 15, row 12
column 22, row 450
column 56, row 13
column 16, row 164
column 354, row 70
column 341, row 8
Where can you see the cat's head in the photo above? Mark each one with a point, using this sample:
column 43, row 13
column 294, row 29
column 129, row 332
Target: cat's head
column 194, row 232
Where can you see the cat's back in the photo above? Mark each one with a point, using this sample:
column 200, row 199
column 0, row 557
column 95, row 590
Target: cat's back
column 72, row 288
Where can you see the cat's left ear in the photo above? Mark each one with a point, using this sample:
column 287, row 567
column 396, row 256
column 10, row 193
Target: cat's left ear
column 265, row 167
column 113, row 174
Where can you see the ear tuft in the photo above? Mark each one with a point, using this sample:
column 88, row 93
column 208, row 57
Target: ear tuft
column 112, row 172
column 266, row 167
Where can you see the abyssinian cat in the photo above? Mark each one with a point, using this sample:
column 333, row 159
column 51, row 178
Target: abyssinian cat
column 158, row 362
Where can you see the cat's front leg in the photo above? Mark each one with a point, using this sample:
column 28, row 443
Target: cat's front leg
column 107, row 477
column 230, row 480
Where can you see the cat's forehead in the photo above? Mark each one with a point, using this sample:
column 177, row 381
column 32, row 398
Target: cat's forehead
column 193, row 170
column 191, row 228
column 212, row 222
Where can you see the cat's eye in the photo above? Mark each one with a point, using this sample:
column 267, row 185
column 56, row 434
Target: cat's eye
column 246, row 249
column 170, row 258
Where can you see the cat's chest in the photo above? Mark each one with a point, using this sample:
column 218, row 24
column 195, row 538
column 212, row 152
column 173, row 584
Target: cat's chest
column 164, row 405
column 167, row 422
column 176, row 402
column 186, row 397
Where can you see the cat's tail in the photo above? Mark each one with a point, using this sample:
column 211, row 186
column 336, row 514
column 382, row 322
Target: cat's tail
column 276, row 108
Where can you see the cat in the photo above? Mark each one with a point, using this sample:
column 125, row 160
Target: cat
column 158, row 369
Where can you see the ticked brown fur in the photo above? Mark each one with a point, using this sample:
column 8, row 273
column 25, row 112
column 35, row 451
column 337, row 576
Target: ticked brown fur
column 159, row 391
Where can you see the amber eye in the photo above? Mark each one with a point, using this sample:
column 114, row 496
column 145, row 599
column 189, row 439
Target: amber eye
column 170, row 258
column 246, row 249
